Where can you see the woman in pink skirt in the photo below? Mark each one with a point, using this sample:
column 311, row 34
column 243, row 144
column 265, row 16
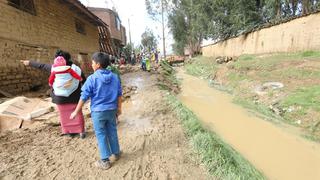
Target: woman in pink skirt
column 66, row 104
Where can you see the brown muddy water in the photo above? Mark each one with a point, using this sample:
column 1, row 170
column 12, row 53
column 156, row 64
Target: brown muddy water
column 275, row 151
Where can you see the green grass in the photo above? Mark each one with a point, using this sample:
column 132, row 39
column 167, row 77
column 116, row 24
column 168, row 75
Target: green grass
column 246, row 57
column 222, row 161
column 168, row 80
column 268, row 62
column 201, row 66
column 296, row 73
column 306, row 98
column 234, row 79
column 315, row 54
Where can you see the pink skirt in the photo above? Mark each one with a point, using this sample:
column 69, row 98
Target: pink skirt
column 68, row 125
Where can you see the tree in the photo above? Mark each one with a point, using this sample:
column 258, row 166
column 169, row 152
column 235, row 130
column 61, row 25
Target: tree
column 191, row 21
column 187, row 26
column 148, row 40
column 127, row 50
column 155, row 9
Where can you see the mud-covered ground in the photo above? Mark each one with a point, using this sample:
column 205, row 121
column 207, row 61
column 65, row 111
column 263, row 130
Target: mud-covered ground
column 151, row 138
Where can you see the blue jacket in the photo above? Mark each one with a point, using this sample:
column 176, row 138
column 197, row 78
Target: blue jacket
column 103, row 87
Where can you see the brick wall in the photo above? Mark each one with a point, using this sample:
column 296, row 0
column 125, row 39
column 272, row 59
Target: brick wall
column 300, row 34
column 25, row 36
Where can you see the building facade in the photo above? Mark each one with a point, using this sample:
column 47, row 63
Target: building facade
column 118, row 31
column 36, row 29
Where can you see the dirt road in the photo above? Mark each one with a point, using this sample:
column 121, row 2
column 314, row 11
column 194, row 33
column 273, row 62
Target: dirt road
column 151, row 138
column 277, row 152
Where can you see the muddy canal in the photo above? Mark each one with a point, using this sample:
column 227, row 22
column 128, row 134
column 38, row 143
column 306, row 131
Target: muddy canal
column 275, row 151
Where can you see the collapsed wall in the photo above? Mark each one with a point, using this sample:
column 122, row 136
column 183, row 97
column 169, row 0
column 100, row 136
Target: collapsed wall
column 299, row 34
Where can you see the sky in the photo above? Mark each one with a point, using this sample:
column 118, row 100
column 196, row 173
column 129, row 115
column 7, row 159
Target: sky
column 135, row 11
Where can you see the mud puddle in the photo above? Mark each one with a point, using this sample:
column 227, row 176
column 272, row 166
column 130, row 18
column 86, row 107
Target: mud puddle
column 275, row 151
column 132, row 117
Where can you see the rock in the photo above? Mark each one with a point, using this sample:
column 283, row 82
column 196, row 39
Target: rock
column 260, row 90
column 273, row 85
column 276, row 110
column 263, row 89
column 224, row 59
column 219, row 60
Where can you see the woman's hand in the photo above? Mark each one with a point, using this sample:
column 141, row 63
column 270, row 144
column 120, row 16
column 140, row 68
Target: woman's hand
column 73, row 114
column 25, row 62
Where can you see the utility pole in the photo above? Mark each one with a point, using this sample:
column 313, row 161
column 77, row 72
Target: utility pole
column 129, row 31
column 163, row 38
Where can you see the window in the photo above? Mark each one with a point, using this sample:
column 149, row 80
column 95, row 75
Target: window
column 117, row 21
column 24, row 5
column 80, row 26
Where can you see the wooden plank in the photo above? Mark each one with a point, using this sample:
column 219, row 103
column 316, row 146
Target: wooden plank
column 9, row 123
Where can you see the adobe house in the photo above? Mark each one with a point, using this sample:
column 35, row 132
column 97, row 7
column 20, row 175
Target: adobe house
column 118, row 31
column 35, row 29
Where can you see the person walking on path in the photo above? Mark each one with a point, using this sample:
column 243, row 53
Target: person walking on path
column 148, row 63
column 65, row 104
column 143, row 63
column 104, row 89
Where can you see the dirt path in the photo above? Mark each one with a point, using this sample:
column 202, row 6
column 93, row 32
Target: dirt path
column 278, row 153
column 152, row 141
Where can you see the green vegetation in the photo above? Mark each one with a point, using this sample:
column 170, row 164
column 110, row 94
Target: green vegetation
column 222, row 161
column 167, row 79
column 193, row 21
column 201, row 66
column 311, row 54
column 305, row 98
column 148, row 40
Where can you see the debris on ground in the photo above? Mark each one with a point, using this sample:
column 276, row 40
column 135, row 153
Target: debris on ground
column 264, row 88
column 19, row 111
column 128, row 91
column 175, row 59
column 225, row 59
column 166, row 79
column 273, row 85
column 276, row 109
column 128, row 68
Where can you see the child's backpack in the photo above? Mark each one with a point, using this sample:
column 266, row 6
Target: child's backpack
column 65, row 84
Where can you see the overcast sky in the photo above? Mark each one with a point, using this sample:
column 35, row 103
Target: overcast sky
column 135, row 10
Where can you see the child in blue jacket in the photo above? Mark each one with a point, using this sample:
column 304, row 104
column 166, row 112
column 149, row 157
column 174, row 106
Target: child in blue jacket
column 104, row 89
